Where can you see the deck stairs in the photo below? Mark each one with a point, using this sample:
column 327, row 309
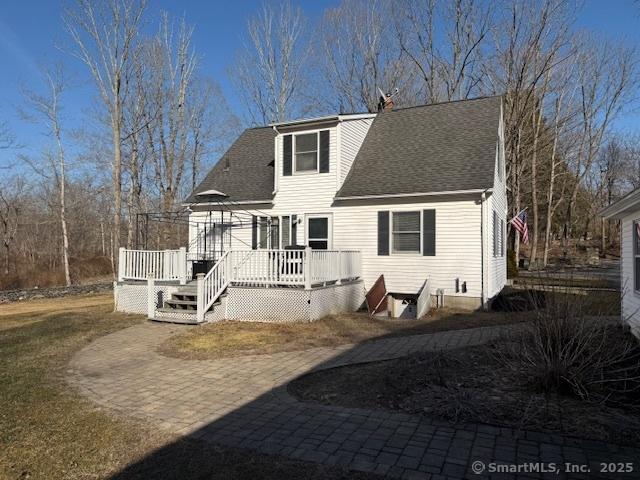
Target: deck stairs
column 182, row 306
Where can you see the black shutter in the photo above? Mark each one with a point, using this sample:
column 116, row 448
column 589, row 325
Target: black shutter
column 286, row 155
column 294, row 229
column 254, row 232
column 429, row 233
column 383, row 233
column 324, row 151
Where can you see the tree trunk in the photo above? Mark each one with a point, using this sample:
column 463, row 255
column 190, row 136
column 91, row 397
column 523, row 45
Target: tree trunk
column 117, row 179
column 7, row 249
column 104, row 249
column 63, row 221
column 533, row 250
column 552, row 183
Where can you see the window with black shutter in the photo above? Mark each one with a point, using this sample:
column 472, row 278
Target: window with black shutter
column 254, row 232
column 287, row 153
column 429, row 233
column 306, row 153
column 383, row 233
column 324, row 152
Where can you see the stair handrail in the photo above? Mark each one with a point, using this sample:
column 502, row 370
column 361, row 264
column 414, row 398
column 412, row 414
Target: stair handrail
column 424, row 299
column 211, row 285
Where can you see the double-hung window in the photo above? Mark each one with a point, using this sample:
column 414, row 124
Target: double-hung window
column 306, row 152
column 405, row 232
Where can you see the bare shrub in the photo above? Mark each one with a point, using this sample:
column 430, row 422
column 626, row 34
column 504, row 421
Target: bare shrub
column 572, row 347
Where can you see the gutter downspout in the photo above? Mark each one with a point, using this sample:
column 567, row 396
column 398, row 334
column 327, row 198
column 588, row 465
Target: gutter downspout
column 483, row 236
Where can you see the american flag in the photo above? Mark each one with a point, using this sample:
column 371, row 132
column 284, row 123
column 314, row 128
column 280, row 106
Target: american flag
column 519, row 222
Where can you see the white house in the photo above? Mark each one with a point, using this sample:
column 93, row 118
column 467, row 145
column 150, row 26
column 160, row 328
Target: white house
column 627, row 210
column 416, row 195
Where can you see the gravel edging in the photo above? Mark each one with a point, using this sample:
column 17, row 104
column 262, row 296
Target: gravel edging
column 8, row 296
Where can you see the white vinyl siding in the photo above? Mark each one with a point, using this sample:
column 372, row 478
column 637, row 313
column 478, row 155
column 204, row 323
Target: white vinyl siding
column 306, row 193
column 630, row 295
column 458, row 246
column 352, row 133
column 496, row 276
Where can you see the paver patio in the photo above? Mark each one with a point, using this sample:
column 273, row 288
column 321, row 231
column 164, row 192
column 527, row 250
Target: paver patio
column 243, row 401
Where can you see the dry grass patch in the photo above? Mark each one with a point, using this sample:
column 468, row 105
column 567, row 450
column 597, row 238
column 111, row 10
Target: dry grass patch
column 232, row 338
column 17, row 314
column 49, row 431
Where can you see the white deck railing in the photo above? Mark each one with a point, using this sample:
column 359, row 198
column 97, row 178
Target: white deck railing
column 159, row 264
column 304, row 268
column 211, row 285
column 275, row 267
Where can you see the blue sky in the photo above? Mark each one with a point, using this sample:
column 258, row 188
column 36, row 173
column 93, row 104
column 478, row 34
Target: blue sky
column 30, row 30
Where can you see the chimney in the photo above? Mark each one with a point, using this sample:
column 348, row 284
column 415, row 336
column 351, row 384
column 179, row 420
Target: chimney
column 385, row 103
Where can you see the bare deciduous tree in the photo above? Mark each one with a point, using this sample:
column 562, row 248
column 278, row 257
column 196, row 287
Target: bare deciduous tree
column 445, row 42
column 7, row 138
column 359, row 55
column 52, row 166
column 105, row 35
column 531, row 39
column 606, row 77
column 9, row 216
column 269, row 70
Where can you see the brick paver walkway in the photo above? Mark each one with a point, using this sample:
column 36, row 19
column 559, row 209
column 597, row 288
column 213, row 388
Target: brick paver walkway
column 243, row 401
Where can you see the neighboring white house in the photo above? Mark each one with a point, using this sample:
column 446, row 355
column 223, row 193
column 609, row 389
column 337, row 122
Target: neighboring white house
column 419, row 191
column 627, row 210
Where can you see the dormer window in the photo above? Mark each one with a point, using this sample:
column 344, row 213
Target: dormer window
column 306, row 152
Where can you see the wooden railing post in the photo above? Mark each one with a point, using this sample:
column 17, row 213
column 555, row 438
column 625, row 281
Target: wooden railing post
column 121, row 264
column 307, row 268
column 182, row 265
column 151, row 296
column 339, row 267
column 200, row 298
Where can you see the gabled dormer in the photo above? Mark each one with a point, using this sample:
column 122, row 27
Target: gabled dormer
column 317, row 153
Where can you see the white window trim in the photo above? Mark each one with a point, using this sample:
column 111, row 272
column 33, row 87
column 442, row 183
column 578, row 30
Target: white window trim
column 294, row 153
column 392, row 250
column 329, row 217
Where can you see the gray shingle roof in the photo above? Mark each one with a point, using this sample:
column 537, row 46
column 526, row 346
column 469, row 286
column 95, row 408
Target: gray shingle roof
column 432, row 148
column 249, row 175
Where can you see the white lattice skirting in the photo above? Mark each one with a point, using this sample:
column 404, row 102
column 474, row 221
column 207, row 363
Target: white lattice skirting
column 132, row 297
column 255, row 304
